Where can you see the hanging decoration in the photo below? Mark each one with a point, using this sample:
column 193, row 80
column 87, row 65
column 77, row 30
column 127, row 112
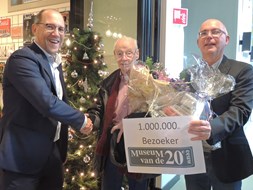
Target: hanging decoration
column 90, row 19
column 74, row 74
column 86, row 159
column 85, row 56
column 85, row 85
column 80, row 83
column 82, row 100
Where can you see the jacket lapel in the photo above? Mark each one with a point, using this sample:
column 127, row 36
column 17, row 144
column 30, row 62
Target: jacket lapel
column 225, row 65
column 62, row 82
column 44, row 63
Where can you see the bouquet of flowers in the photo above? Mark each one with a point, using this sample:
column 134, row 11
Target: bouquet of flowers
column 154, row 92
column 210, row 82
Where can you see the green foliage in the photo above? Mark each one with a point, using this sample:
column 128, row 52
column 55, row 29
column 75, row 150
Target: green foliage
column 84, row 67
column 83, row 71
column 149, row 62
column 183, row 74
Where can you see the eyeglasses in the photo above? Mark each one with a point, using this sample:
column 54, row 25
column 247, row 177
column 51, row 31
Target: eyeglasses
column 128, row 54
column 51, row 28
column 215, row 33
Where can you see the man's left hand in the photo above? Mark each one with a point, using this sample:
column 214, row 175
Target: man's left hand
column 200, row 128
column 119, row 127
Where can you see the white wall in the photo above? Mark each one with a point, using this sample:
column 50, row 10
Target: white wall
column 244, row 25
column 171, row 55
column 172, row 40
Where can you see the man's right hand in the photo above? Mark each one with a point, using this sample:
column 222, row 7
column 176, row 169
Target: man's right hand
column 87, row 128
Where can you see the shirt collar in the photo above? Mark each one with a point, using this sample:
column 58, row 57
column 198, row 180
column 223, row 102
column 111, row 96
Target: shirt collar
column 54, row 61
column 216, row 65
column 124, row 77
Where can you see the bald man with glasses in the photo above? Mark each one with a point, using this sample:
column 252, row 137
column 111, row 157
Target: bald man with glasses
column 232, row 161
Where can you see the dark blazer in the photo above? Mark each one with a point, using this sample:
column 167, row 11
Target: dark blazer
column 115, row 151
column 31, row 111
column 234, row 160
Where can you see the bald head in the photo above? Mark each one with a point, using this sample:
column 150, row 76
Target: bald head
column 128, row 41
column 215, row 23
column 212, row 40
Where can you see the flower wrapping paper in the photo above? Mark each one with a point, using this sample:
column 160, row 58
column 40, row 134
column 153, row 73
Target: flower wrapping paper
column 168, row 97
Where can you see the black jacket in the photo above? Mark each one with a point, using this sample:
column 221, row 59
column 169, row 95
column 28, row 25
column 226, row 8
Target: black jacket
column 233, row 161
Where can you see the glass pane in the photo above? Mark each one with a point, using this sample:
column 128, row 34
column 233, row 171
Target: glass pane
column 113, row 19
column 16, row 2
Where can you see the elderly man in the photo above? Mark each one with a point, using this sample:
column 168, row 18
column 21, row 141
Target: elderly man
column 107, row 116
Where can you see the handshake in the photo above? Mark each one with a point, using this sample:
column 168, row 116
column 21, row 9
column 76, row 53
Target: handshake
column 87, row 128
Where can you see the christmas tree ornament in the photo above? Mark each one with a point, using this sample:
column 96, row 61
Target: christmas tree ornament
column 103, row 73
column 100, row 72
column 65, row 74
column 80, row 83
column 68, row 54
column 78, row 152
column 85, row 85
column 82, row 100
column 101, row 45
column 74, row 74
column 90, row 19
column 85, row 56
column 86, row 159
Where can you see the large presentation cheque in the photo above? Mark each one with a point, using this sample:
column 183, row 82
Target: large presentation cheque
column 162, row 145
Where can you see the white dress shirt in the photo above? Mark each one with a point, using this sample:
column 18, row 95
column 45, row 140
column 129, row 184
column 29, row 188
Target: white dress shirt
column 54, row 63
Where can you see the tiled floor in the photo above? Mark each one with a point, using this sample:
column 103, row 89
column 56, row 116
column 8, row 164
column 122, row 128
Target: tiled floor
column 247, row 184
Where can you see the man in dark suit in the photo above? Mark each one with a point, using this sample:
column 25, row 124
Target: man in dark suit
column 34, row 126
column 232, row 161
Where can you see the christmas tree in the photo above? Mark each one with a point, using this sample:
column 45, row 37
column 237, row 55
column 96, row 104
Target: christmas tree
column 83, row 68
